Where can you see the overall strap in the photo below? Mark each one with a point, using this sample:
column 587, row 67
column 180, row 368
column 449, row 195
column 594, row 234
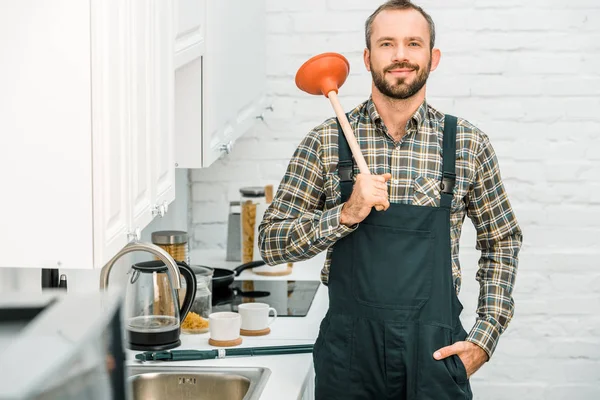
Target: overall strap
column 449, row 161
column 345, row 167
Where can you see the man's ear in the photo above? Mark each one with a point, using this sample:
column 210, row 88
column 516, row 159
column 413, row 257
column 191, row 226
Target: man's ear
column 436, row 54
column 367, row 59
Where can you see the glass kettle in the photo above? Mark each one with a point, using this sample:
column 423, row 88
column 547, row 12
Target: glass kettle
column 152, row 312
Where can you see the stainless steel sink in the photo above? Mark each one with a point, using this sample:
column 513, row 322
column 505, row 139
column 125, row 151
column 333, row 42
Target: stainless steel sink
column 164, row 382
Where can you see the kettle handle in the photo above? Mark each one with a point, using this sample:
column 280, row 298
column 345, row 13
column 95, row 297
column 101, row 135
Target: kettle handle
column 190, row 289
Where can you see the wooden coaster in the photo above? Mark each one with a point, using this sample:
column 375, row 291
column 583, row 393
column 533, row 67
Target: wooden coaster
column 284, row 272
column 225, row 343
column 261, row 332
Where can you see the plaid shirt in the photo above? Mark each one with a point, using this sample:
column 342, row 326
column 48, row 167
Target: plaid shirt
column 304, row 217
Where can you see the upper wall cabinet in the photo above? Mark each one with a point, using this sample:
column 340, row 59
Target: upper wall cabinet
column 220, row 80
column 87, row 121
column 190, row 30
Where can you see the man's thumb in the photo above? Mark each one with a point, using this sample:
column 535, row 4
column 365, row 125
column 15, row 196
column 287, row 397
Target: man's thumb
column 445, row 352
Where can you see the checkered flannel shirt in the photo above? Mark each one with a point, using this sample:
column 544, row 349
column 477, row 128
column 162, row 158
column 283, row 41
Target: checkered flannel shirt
column 304, row 218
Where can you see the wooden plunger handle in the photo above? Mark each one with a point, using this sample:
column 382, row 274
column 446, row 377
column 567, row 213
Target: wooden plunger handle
column 350, row 138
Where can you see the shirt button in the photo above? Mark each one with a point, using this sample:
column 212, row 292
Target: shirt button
column 338, row 234
column 395, row 181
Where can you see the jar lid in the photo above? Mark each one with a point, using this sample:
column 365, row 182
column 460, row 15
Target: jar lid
column 253, row 191
column 169, row 237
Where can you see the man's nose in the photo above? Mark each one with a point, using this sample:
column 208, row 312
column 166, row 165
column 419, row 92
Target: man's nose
column 400, row 54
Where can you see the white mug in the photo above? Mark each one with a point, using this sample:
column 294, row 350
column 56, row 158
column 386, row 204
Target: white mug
column 255, row 316
column 224, row 325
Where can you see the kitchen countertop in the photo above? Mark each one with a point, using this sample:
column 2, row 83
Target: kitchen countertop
column 290, row 374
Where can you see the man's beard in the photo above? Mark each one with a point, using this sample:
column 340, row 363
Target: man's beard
column 400, row 90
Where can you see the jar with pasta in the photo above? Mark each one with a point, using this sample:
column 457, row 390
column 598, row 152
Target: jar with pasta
column 173, row 242
column 176, row 244
column 253, row 207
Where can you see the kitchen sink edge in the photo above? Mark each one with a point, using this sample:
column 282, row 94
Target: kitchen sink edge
column 257, row 376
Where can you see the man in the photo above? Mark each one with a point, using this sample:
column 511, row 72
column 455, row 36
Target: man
column 392, row 330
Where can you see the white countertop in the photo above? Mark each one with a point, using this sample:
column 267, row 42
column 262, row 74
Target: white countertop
column 289, row 373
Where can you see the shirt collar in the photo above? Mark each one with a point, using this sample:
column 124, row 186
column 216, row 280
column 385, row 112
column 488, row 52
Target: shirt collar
column 415, row 121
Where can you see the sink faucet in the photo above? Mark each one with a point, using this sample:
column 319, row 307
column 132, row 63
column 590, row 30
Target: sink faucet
column 173, row 269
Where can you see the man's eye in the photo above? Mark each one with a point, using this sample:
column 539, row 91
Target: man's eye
column 385, row 44
column 414, row 44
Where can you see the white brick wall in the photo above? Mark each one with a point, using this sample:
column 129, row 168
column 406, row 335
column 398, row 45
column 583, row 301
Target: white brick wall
column 527, row 72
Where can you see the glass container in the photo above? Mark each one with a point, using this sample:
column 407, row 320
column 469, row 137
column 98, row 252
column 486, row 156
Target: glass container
column 253, row 206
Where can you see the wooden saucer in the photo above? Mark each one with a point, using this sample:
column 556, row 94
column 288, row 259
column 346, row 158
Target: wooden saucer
column 284, row 272
column 261, row 332
column 225, row 343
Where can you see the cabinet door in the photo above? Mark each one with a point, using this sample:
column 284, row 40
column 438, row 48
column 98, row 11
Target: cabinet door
column 218, row 100
column 45, row 119
column 142, row 119
column 151, row 120
column 110, row 126
column 189, row 30
column 234, row 76
column 162, row 101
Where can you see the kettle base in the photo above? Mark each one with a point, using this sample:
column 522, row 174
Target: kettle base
column 156, row 347
column 153, row 341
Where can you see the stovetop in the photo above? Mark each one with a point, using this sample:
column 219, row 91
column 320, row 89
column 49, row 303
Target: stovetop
column 289, row 298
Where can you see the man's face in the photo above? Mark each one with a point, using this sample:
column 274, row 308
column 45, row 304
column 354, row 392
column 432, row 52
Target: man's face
column 400, row 58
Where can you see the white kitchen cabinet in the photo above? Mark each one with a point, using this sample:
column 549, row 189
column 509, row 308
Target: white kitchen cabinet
column 109, row 155
column 151, row 129
column 220, row 89
column 190, row 30
column 163, row 98
column 86, row 115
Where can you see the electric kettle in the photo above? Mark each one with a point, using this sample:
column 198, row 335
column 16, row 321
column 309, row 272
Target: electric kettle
column 153, row 314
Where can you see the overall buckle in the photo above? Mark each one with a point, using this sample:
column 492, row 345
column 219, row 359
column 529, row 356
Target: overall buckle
column 346, row 171
column 448, row 182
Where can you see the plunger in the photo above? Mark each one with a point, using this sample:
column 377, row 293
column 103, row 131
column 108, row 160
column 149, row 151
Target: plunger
column 324, row 74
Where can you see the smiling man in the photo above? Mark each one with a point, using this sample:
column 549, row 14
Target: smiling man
column 393, row 328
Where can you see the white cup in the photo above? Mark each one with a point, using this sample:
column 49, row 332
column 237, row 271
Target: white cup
column 255, row 316
column 224, row 325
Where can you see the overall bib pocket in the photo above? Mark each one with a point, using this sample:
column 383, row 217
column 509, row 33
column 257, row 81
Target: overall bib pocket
column 392, row 268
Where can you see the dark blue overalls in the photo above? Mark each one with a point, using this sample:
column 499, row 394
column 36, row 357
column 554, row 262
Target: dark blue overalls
column 392, row 301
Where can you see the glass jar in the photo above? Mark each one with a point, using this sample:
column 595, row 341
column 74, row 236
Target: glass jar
column 176, row 244
column 253, row 206
column 202, row 304
column 173, row 242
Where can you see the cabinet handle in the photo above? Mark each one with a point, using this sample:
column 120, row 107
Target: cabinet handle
column 134, row 236
column 165, row 206
column 262, row 115
column 159, row 210
column 227, row 148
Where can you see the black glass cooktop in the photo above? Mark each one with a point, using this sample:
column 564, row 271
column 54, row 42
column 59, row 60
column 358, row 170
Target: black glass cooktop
column 289, row 298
